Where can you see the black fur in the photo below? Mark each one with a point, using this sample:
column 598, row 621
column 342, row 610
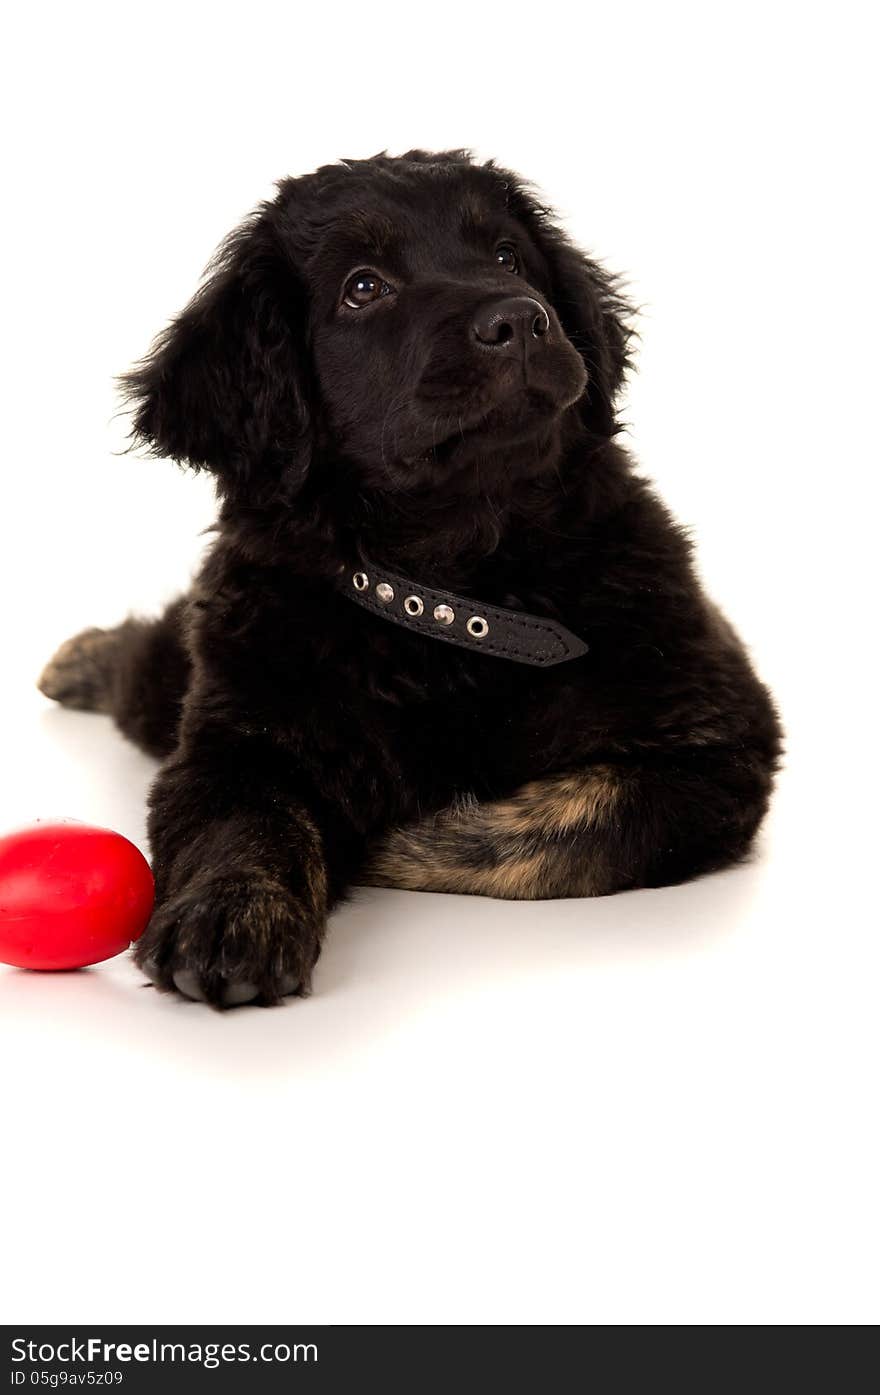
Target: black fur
column 300, row 731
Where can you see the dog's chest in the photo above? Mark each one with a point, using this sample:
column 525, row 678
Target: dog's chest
column 442, row 705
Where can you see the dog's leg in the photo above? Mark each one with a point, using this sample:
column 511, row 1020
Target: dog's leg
column 255, row 829
column 585, row 833
column 242, row 882
column 136, row 672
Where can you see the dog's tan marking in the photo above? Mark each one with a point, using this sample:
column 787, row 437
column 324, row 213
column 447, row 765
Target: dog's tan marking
column 81, row 672
column 555, row 805
column 536, row 844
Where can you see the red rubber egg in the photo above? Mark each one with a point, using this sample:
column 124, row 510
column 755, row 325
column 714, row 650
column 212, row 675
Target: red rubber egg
column 70, row 895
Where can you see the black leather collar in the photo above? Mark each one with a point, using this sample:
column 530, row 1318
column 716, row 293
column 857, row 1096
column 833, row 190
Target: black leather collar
column 489, row 629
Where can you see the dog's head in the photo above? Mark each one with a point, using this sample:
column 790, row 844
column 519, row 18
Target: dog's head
column 414, row 317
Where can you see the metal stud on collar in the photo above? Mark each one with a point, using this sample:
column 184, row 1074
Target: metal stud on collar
column 444, row 614
column 385, row 592
column 360, row 581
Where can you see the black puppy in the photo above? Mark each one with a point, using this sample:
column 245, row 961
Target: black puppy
column 445, row 639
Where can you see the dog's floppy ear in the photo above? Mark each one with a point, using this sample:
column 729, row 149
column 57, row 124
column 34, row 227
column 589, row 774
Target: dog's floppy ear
column 224, row 387
column 594, row 313
column 596, row 317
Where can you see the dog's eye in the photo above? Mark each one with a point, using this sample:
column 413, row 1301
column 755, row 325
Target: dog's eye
column 364, row 288
column 506, row 258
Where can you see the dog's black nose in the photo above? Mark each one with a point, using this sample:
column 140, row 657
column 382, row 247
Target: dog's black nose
column 513, row 320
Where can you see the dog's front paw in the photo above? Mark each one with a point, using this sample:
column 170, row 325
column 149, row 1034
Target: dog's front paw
column 232, row 940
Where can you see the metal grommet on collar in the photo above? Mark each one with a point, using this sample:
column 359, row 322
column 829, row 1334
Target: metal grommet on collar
column 477, row 627
column 360, row 581
column 414, row 605
column 444, row 614
column 385, row 592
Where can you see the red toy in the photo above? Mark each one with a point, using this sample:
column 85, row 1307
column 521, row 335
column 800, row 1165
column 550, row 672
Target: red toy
column 70, row 895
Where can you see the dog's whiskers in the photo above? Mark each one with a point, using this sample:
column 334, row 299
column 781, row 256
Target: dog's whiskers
column 394, row 408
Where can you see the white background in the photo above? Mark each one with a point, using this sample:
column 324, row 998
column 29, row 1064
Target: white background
column 658, row 1107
